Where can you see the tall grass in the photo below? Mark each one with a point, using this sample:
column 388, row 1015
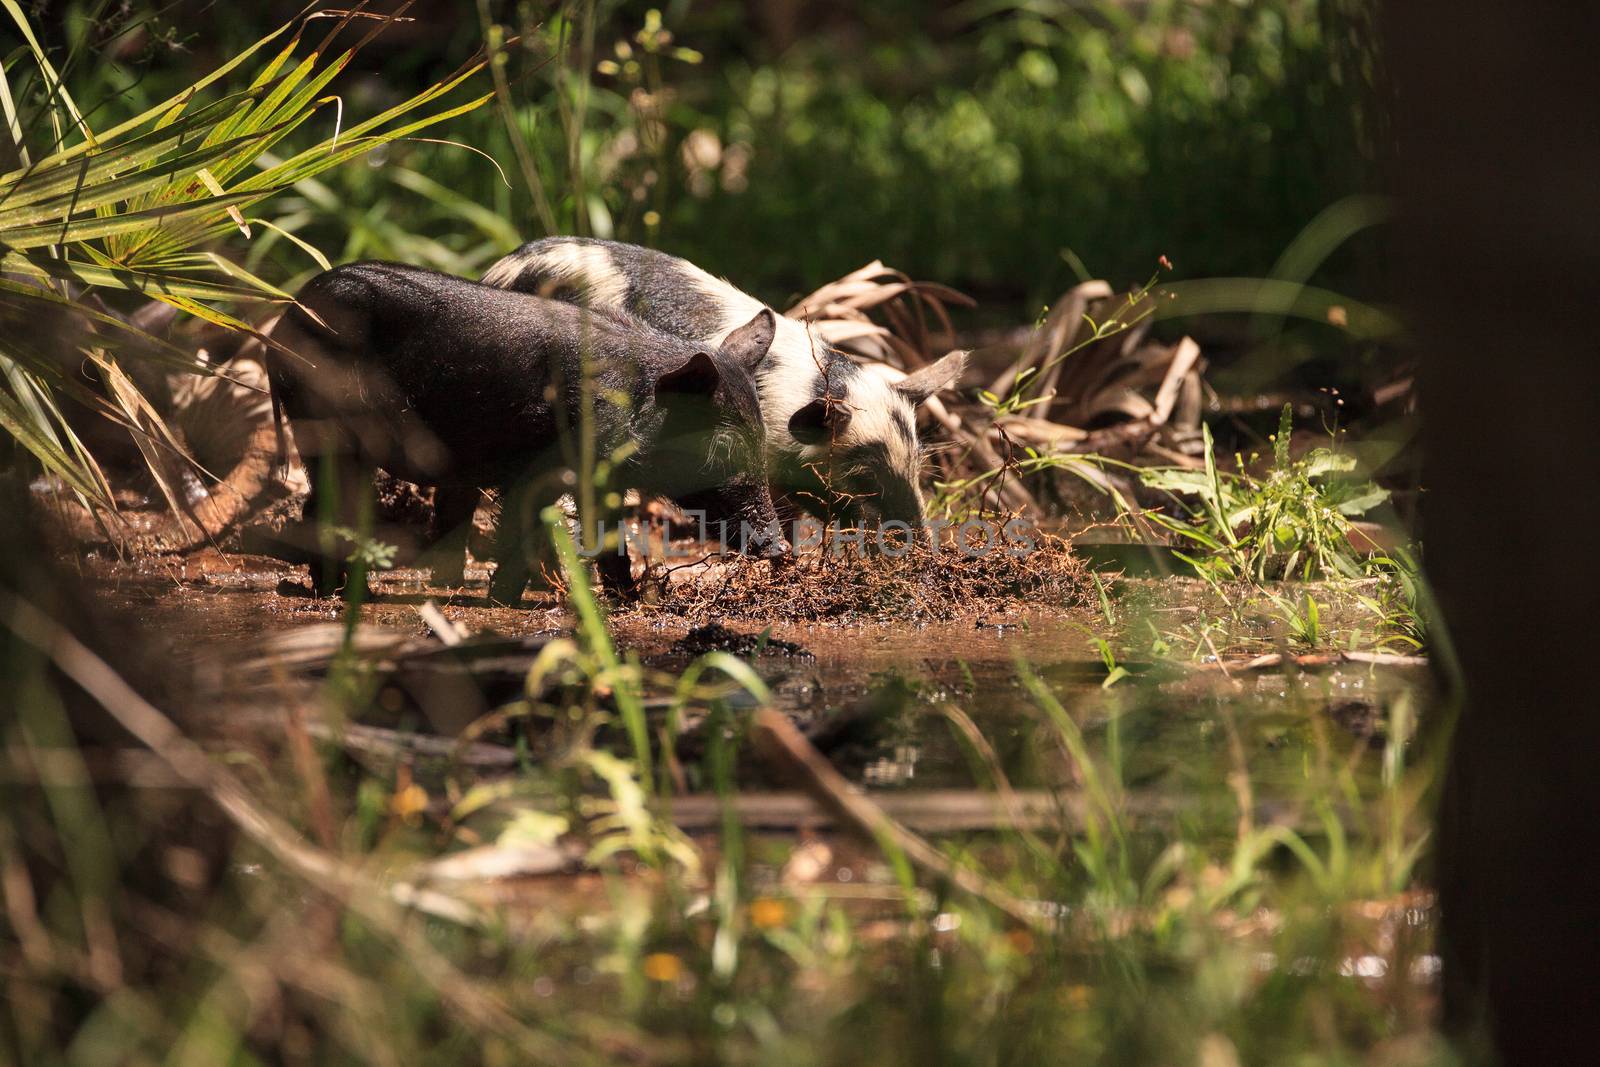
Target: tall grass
column 1258, row 919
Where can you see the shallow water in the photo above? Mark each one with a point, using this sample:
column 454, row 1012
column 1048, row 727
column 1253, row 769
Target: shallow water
column 1198, row 757
column 881, row 699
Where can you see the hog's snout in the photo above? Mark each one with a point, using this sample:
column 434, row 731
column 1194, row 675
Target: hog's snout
column 770, row 548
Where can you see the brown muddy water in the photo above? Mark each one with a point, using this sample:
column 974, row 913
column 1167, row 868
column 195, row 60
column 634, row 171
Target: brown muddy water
column 1201, row 750
column 878, row 698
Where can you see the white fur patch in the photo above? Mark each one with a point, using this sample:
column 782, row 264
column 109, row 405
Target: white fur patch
column 874, row 402
column 508, row 268
column 586, row 267
column 787, row 382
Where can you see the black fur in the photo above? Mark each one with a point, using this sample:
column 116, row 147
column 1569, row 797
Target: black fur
column 902, row 425
column 452, row 383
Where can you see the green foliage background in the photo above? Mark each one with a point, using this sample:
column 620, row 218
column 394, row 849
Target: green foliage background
column 994, row 145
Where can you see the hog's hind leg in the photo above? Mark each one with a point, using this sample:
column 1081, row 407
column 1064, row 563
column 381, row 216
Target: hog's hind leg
column 613, row 562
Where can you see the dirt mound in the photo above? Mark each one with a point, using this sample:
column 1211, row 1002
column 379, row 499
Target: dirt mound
column 920, row 585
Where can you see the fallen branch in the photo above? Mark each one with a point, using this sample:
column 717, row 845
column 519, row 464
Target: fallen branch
column 1311, row 661
column 392, row 746
column 935, row 812
column 448, row 632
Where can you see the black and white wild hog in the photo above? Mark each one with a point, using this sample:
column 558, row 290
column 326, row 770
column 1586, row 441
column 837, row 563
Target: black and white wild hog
column 449, row 383
column 842, row 441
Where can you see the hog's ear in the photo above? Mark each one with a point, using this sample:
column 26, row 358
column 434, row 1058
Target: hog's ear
column 819, row 422
column 924, row 383
column 698, row 376
column 749, row 344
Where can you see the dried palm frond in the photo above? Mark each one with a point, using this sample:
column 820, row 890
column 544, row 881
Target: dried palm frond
column 215, row 454
column 838, row 314
column 1089, row 380
column 1092, row 364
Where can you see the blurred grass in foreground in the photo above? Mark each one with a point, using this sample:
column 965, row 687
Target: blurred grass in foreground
column 277, row 901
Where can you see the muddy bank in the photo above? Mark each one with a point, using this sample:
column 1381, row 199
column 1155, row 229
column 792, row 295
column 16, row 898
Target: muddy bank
column 874, row 695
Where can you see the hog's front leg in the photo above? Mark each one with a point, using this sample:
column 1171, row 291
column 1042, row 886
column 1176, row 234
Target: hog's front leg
column 341, row 504
column 453, row 508
column 611, row 554
column 521, row 543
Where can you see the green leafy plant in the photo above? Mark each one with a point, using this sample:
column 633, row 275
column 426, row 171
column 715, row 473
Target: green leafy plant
column 1304, row 618
column 1292, row 521
column 1115, row 672
column 160, row 206
column 366, row 552
column 1401, row 600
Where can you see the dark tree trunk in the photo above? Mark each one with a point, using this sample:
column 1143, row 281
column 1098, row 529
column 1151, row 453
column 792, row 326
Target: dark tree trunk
column 1498, row 125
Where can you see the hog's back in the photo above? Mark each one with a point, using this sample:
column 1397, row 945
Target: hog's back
column 445, row 381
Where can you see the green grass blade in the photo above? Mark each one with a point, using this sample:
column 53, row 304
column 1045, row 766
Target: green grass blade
column 1335, row 225
column 597, row 639
column 25, row 429
column 1211, row 296
column 155, row 284
column 179, row 99
column 52, row 79
column 138, row 222
column 491, row 224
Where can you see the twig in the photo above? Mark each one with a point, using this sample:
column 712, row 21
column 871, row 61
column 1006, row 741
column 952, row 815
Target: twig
column 519, row 142
column 785, row 746
column 940, row 811
column 1385, row 659
column 1312, row 660
column 396, row 745
column 450, row 633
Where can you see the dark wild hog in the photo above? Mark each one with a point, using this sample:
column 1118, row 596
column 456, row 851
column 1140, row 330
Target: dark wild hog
column 842, row 441
column 449, row 383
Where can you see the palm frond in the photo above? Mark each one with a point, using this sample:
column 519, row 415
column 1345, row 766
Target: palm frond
column 153, row 206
